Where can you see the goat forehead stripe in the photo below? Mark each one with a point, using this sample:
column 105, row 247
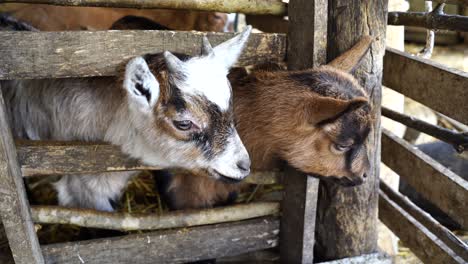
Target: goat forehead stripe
column 206, row 78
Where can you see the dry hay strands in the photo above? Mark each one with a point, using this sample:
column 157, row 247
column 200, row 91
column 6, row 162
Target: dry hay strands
column 131, row 222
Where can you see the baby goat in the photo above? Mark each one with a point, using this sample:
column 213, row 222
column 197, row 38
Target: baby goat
column 163, row 110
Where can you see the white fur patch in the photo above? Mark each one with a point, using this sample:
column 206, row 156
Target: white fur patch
column 206, row 77
column 137, row 73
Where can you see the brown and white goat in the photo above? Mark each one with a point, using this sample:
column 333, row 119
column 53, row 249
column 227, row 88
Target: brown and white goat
column 163, row 110
column 316, row 120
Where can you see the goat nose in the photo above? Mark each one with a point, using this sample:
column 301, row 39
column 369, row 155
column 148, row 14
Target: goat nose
column 364, row 175
column 244, row 165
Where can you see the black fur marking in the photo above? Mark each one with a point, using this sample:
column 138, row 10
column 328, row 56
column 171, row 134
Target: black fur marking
column 327, row 83
column 145, row 92
column 137, row 22
column 114, row 204
column 9, row 23
column 163, row 179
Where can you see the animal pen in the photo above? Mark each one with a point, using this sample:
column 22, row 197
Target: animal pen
column 341, row 223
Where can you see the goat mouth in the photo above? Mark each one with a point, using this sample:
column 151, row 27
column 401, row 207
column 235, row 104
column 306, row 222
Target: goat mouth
column 224, row 178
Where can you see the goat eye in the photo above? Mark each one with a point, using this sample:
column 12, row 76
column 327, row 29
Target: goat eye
column 341, row 148
column 183, row 125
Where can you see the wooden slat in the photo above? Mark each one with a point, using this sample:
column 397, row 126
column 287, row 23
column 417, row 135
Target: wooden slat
column 56, row 158
column 453, row 2
column 307, row 46
column 418, row 238
column 14, row 205
column 26, row 55
column 127, row 222
column 433, row 181
column 448, row 238
column 375, row 258
column 172, row 246
column 433, row 21
column 428, row 82
column 259, row 7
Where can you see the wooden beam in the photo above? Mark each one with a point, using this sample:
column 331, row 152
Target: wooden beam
column 375, row 258
column 418, row 238
column 29, row 55
column 453, row 2
column 14, row 205
column 433, row 181
column 39, row 158
column 428, row 82
column 347, row 217
column 448, row 238
column 129, row 222
column 171, row 246
column 258, row 7
column 307, row 44
column 428, row 20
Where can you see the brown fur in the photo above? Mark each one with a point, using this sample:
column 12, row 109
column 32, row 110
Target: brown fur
column 59, row 18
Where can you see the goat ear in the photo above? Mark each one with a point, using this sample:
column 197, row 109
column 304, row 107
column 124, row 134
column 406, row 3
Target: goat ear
column 141, row 85
column 229, row 51
column 320, row 109
column 206, row 47
column 349, row 60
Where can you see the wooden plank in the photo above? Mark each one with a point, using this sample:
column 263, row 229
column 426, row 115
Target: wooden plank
column 259, row 7
column 428, row 82
column 14, row 205
column 433, row 181
column 128, row 222
column 306, row 48
column 453, row 2
column 307, row 31
column 418, row 238
column 32, row 55
column 448, row 238
column 59, row 157
column 171, row 246
column 375, row 258
column 347, row 217
column 299, row 210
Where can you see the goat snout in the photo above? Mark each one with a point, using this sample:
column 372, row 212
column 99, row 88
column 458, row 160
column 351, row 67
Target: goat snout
column 244, row 165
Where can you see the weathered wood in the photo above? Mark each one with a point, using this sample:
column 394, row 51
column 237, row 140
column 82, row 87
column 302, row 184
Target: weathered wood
column 268, row 24
column 259, row 7
column 14, row 205
column 375, row 258
column 418, row 238
column 428, row 20
column 58, row 157
column 347, row 217
column 452, row 241
column 26, row 55
column 433, row 181
column 307, row 42
column 299, row 210
column 428, row 82
column 128, row 222
column 172, row 246
column 307, row 30
column 458, row 140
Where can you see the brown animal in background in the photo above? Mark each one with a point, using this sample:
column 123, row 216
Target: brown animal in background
column 60, row 18
column 316, row 120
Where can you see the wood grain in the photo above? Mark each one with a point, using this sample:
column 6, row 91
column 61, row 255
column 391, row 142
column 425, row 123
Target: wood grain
column 171, row 246
column 425, row 245
column 428, row 82
column 14, row 205
column 347, row 217
column 433, row 181
column 30, row 55
column 259, row 7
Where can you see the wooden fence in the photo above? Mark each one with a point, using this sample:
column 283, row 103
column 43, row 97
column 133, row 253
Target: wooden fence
column 26, row 55
column 444, row 90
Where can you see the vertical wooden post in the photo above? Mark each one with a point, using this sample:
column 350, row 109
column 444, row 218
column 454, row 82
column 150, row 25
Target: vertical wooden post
column 307, row 44
column 14, row 206
column 347, row 217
